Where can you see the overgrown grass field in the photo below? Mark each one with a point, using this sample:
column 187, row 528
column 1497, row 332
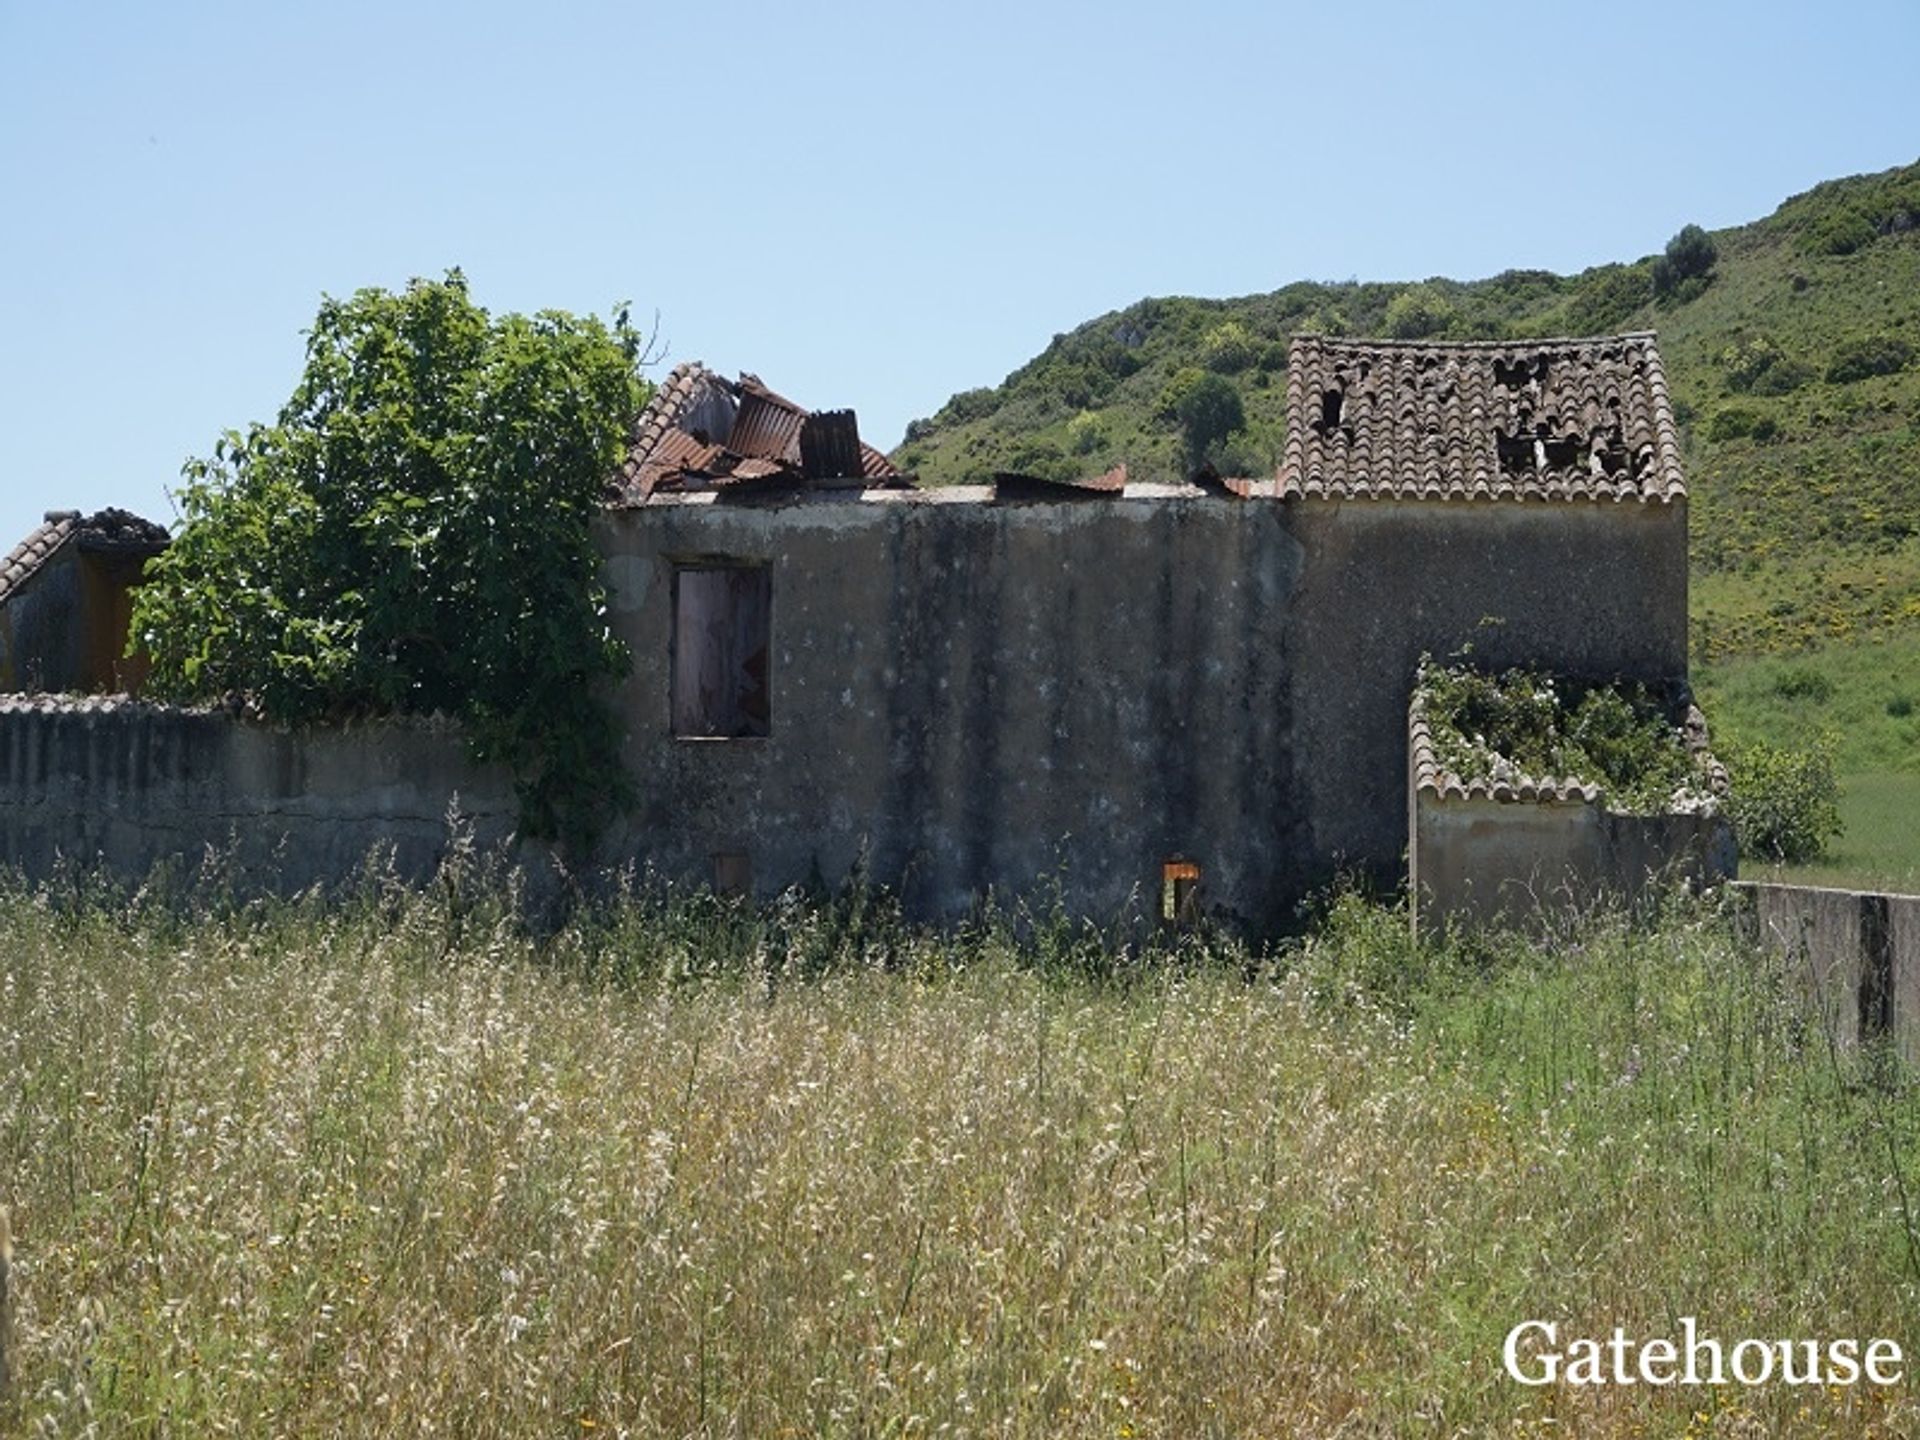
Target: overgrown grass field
column 399, row 1165
column 1862, row 699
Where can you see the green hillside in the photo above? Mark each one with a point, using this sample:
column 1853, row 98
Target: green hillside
column 1794, row 364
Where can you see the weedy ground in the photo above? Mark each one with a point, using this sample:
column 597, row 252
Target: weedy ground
column 403, row 1164
column 1862, row 698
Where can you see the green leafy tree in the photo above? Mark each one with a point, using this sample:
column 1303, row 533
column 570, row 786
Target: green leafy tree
column 1209, row 410
column 1687, row 266
column 412, row 536
column 1417, row 312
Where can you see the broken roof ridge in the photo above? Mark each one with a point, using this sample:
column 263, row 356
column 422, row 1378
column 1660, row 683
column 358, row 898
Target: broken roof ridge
column 1314, row 337
column 109, row 528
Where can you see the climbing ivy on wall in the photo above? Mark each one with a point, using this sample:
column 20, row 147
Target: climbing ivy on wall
column 411, row 536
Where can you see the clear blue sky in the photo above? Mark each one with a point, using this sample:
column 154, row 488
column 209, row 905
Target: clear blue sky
column 868, row 205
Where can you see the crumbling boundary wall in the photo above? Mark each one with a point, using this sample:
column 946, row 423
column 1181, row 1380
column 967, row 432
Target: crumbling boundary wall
column 1858, row 953
column 129, row 786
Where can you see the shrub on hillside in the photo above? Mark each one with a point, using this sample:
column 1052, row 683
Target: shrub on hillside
column 1803, row 682
column 1691, row 253
column 1086, row 432
column 1868, row 355
column 1737, row 422
column 969, row 405
column 1417, row 312
column 1607, row 297
column 1759, row 366
column 1228, row 348
column 1785, row 803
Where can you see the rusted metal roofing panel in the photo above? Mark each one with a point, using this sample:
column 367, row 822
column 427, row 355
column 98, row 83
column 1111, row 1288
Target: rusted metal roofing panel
column 673, row 450
column 830, row 446
column 766, row 427
column 1008, row 486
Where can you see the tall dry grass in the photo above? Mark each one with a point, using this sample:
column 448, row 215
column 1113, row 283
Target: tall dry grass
column 400, row 1166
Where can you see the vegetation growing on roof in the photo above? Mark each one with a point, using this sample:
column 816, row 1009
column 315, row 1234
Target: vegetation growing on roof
column 1527, row 724
column 412, row 536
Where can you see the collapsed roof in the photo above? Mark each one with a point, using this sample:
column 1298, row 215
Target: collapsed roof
column 1545, row 419
column 704, row 432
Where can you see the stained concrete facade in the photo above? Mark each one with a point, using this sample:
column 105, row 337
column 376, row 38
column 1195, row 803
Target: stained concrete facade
column 968, row 696
column 980, row 696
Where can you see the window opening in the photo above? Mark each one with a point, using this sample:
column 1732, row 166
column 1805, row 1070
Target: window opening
column 1179, row 892
column 722, row 619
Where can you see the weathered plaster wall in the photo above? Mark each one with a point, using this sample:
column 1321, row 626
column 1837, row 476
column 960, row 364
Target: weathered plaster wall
column 133, row 786
column 64, row 629
column 1857, row 952
column 1596, row 589
column 969, row 695
column 1478, row 859
column 975, row 693
column 43, row 634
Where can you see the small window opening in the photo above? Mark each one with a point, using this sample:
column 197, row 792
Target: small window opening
column 722, row 616
column 732, row 873
column 1179, row 892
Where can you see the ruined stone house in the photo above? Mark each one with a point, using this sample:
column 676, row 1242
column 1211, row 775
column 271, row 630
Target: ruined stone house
column 1130, row 690
column 66, row 599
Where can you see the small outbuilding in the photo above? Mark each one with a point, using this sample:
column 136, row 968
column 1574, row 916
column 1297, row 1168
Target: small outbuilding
column 66, row 597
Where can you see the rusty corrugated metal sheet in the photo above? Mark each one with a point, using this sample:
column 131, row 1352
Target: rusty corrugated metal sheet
column 830, row 446
column 767, row 426
column 762, row 446
column 876, row 466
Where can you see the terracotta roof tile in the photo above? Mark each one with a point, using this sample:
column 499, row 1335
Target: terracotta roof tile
column 109, row 529
column 1535, row 419
column 33, row 552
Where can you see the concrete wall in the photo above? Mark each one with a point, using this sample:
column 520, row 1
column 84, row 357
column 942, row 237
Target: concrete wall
column 64, row 629
column 1858, row 952
column 1595, row 590
column 974, row 694
column 132, row 786
column 969, row 695
column 1478, row 859
column 43, row 628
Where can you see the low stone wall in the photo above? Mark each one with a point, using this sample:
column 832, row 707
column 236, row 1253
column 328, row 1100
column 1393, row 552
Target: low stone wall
column 128, row 786
column 1858, row 952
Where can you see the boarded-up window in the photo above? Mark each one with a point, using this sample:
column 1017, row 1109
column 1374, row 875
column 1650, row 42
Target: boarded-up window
column 721, row 620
